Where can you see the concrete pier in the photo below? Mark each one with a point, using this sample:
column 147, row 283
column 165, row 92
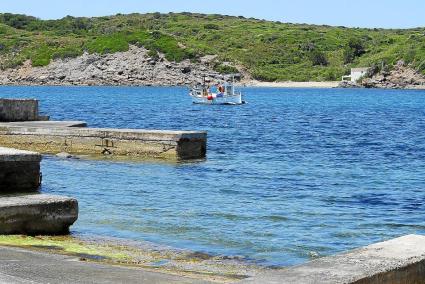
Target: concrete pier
column 19, row 170
column 396, row 261
column 55, row 138
column 22, row 127
column 37, row 214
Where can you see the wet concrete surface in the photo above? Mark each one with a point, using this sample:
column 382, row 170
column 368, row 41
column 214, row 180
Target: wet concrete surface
column 24, row 266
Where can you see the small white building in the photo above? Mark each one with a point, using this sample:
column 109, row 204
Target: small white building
column 356, row 74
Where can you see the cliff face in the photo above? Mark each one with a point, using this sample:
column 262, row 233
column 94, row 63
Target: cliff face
column 131, row 68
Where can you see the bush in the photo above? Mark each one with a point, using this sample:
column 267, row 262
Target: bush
column 67, row 52
column 16, row 21
column 225, row 69
column 41, row 56
column 317, row 57
column 211, row 27
column 108, row 44
column 153, row 54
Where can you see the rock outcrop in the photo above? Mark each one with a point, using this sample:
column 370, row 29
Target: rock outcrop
column 401, row 76
column 131, row 68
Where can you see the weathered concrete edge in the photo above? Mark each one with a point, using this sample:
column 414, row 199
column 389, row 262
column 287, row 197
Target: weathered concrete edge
column 37, row 214
column 400, row 260
column 127, row 134
column 44, row 123
column 15, row 155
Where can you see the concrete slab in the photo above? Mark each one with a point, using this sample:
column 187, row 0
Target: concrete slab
column 399, row 260
column 19, row 266
column 37, row 214
column 177, row 145
column 19, row 170
column 47, row 124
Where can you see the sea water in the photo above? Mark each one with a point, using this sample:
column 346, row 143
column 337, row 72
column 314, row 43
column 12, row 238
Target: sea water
column 293, row 174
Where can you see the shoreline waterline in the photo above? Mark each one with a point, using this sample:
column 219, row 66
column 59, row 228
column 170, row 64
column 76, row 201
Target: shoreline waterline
column 247, row 84
column 139, row 254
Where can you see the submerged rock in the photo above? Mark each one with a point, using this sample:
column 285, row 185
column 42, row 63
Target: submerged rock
column 65, row 155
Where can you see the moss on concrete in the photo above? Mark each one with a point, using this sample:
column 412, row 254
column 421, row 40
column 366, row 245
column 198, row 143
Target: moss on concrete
column 185, row 263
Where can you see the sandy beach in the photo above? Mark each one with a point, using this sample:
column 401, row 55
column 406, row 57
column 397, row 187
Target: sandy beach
column 329, row 84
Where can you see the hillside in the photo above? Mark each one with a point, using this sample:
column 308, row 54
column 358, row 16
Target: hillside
column 263, row 50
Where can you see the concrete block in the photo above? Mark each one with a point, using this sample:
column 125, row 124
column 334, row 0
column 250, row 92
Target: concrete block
column 37, row 214
column 397, row 261
column 19, row 170
column 18, row 109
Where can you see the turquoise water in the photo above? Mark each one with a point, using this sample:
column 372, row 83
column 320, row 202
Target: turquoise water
column 293, row 174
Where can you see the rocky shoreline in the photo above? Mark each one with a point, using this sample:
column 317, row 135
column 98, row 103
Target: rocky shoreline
column 131, row 68
column 135, row 68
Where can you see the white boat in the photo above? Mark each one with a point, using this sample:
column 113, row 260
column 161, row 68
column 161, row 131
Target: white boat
column 225, row 95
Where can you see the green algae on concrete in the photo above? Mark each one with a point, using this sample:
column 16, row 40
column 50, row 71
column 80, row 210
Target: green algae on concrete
column 221, row 269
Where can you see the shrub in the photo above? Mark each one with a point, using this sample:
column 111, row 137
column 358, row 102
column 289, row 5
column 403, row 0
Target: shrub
column 41, row 56
column 16, row 21
column 108, row 44
column 317, row 57
column 211, row 27
column 225, row 69
column 67, row 52
column 153, row 54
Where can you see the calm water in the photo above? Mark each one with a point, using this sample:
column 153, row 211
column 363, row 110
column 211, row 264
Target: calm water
column 292, row 174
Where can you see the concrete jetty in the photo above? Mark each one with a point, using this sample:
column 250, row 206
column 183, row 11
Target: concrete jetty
column 19, row 170
column 55, row 137
column 23, row 213
column 37, row 214
column 400, row 260
column 22, row 127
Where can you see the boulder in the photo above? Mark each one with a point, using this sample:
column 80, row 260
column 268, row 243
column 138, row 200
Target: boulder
column 186, row 70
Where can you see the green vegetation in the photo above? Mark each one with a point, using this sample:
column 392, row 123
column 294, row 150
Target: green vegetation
column 270, row 51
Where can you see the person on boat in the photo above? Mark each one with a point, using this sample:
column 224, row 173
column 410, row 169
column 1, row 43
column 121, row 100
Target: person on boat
column 220, row 88
column 206, row 91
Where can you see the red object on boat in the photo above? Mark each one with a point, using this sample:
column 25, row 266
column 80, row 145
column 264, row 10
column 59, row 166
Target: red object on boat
column 210, row 97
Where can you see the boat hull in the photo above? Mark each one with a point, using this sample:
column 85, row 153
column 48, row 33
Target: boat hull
column 225, row 100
